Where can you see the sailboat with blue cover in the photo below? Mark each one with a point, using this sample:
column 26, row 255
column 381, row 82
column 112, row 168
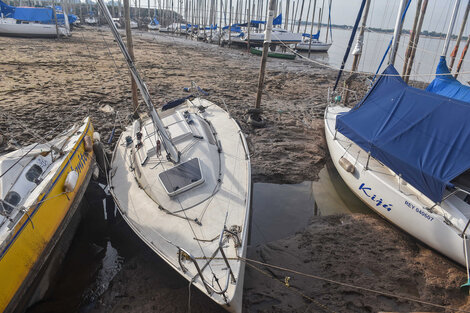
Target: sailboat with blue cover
column 405, row 153
column 32, row 22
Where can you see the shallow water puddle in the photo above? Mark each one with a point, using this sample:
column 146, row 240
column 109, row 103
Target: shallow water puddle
column 280, row 210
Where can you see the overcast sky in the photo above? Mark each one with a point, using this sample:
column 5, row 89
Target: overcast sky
column 383, row 13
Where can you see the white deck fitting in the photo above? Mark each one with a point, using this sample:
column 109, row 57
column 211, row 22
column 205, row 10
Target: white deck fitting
column 211, row 202
column 439, row 229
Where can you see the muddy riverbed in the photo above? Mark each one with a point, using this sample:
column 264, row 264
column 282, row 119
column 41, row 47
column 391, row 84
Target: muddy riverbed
column 46, row 85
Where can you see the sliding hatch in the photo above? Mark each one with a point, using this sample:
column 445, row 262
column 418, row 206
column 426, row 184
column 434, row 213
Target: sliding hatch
column 182, row 177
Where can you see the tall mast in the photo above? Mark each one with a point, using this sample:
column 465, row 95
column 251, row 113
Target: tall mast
column 451, row 28
column 351, row 39
column 459, row 38
column 167, row 144
column 397, row 32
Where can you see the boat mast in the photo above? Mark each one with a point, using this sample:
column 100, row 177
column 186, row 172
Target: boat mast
column 451, row 28
column 459, row 38
column 300, row 17
column 397, row 32
column 412, row 37
column 158, row 124
column 357, row 52
column 351, row 39
column 130, row 47
column 462, row 56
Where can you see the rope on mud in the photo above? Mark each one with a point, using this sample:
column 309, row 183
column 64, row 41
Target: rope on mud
column 384, row 293
column 284, row 283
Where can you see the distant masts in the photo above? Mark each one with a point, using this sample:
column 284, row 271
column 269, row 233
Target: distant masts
column 451, row 28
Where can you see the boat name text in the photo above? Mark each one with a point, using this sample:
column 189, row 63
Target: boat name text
column 418, row 210
column 377, row 199
column 83, row 158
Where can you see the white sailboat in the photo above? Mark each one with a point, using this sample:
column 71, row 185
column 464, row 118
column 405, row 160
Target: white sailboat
column 14, row 27
column 279, row 35
column 181, row 179
column 404, row 152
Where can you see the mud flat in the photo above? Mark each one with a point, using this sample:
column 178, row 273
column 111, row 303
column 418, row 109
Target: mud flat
column 46, row 85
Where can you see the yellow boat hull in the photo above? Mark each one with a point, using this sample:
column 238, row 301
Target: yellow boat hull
column 35, row 235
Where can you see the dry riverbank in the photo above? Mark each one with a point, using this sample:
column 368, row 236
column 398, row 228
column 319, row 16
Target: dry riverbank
column 47, row 84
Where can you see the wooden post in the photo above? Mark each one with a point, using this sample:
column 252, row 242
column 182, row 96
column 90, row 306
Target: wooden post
column 406, row 77
column 287, row 15
column 230, row 25
column 358, row 53
column 130, row 48
column 459, row 38
column 267, row 41
column 311, row 28
column 462, row 56
column 249, row 26
column 55, row 19
column 412, row 37
column 300, row 17
column 308, row 11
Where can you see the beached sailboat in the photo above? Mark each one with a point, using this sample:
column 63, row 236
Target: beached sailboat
column 41, row 186
column 31, row 22
column 404, row 152
column 154, row 24
column 181, row 179
column 279, row 35
column 313, row 44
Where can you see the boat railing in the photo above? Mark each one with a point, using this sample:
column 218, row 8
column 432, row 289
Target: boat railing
column 185, row 255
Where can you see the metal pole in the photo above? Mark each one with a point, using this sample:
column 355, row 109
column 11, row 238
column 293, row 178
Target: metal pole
column 462, row 56
column 357, row 52
column 267, row 41
column 416, row 40
column 451, row 28
column 397, row 32
column 412, row 37
column 130, row 48
column 459, row 38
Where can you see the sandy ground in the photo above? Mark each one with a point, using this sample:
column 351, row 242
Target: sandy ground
column 46, row 85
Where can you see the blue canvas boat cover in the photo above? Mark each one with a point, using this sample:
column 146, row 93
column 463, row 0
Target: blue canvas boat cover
column 278, row 20
column 422, row 136
column 42, row 15
column 314, row 36
column 446, row 85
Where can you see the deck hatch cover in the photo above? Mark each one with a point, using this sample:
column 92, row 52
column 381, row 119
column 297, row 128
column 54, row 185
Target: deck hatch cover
column 182, row 177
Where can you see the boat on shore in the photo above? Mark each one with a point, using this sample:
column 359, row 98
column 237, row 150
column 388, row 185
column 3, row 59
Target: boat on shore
column 274, row 54
column 279, row 35
column 32, row 22
column 41, row 186
column 181, row 179
column 404, row 152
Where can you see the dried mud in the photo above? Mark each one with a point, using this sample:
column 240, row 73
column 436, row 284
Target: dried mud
column 46, row 85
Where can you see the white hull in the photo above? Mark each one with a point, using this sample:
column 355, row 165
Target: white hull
column 9, row 27
column 314, row 47
column 407, row 205
column 91, row 20
column 278, row 36
column 153, row 27
column 222, row 198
